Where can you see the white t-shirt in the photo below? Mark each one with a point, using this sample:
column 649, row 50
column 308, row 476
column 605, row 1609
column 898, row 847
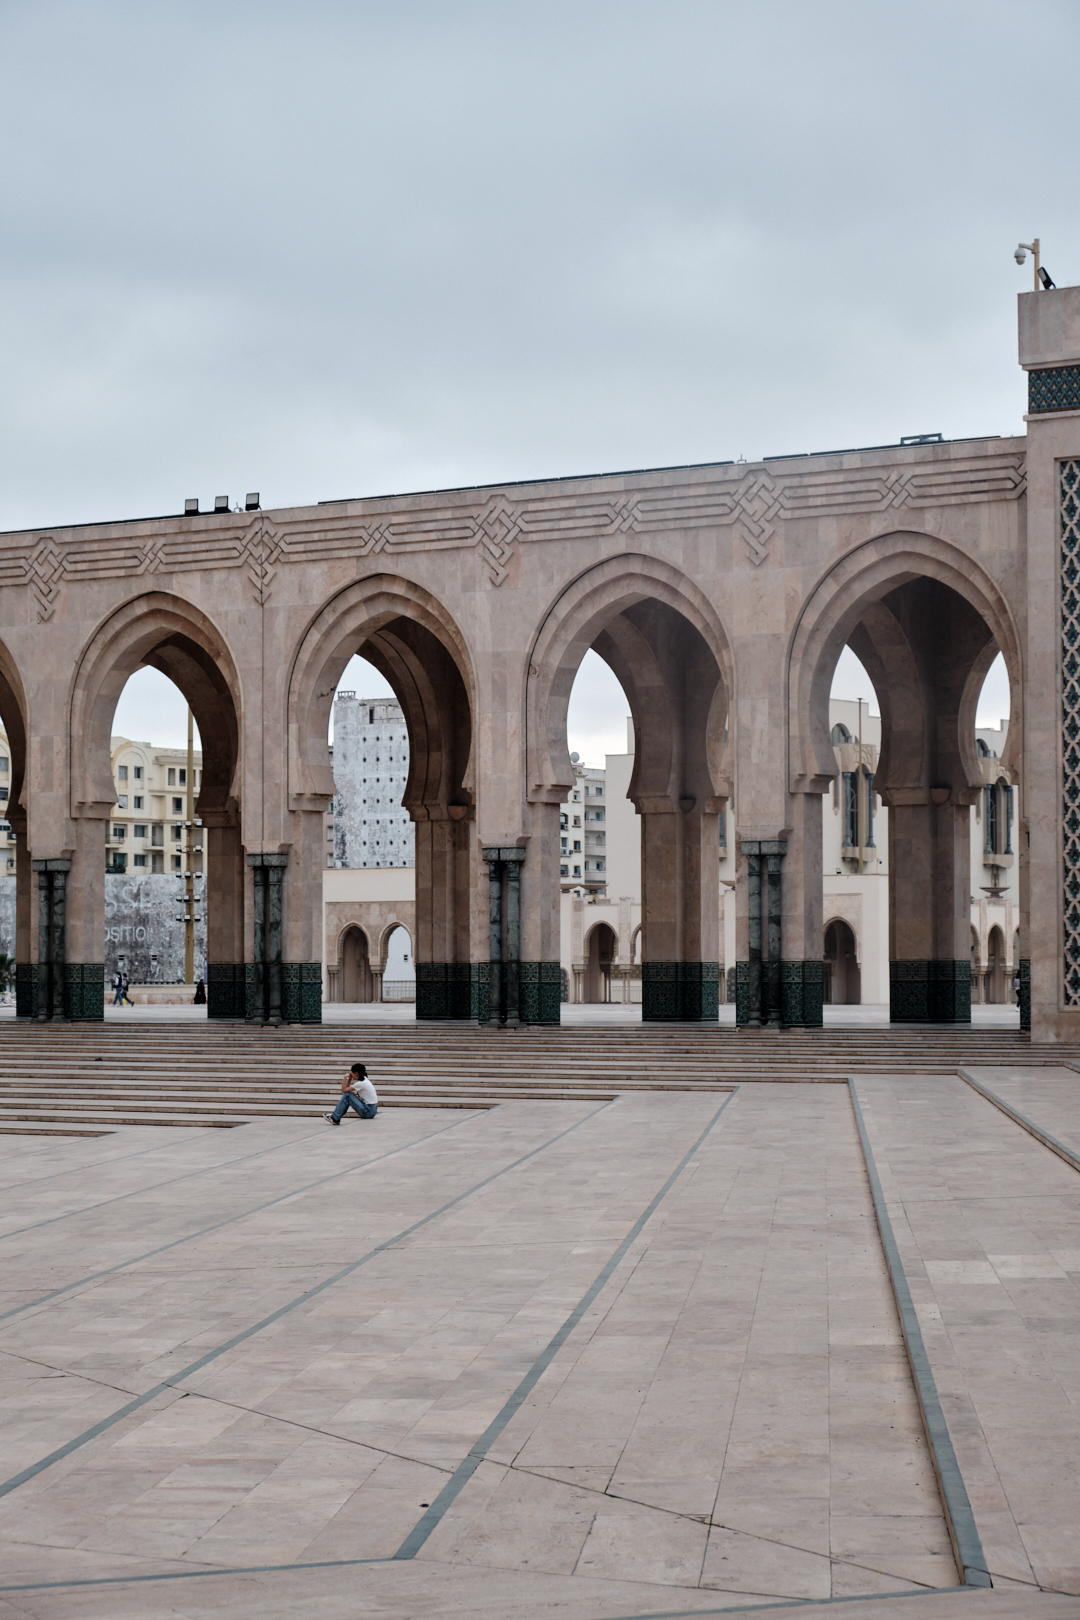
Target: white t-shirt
column 364, row 1090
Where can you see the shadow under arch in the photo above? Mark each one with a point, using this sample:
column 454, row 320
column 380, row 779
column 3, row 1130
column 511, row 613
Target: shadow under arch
column 927, row 622
column 167, row 633
column 664, row 641
column 412, row 640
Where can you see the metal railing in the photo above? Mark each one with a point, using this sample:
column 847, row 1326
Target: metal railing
column 399, row 990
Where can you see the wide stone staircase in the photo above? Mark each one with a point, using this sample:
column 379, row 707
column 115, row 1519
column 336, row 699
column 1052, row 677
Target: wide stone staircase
column 60, row 1080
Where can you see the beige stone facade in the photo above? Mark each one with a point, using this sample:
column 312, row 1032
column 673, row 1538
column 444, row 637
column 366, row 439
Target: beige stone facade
column 720, row 595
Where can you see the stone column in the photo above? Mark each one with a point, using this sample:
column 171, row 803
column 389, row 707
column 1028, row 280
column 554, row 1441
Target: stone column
column 680, row 909
column 84, row 967
column 26, row 970
column 504, row 863
column 447, row 981
column 52, row 999
column 758, row 979
column 223, row 865
column 930, row 909
column 802, row 929
column 376, row 983
column 272, row 997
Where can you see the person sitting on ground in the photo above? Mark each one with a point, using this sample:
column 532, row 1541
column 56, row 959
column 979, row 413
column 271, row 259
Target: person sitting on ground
column 357, row 1092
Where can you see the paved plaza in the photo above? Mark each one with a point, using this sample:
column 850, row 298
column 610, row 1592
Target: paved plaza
column 562, row 1358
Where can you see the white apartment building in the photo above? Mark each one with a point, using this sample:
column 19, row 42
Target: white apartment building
column 146, row 830
column 370, row 760
column 583, row 831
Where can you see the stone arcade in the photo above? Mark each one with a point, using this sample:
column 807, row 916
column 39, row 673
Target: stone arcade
column 721, row 596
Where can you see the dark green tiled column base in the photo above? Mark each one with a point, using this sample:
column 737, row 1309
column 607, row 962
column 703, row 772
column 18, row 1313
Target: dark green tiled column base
column 802, row 989
column 253, row 1003
column 26, row 990
column 680, row 992
column 1024, row 992
column 301, row 992
column 84, row 991
column 742, row 993
column 930, row 992
column 225, row 990
column 540, row 992
column 451, row 992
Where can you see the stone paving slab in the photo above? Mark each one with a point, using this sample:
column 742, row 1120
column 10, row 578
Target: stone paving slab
column 724, row 1419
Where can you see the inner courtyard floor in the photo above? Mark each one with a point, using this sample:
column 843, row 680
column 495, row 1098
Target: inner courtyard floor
column 602, row 1360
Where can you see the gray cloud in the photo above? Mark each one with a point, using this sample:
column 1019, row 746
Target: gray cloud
column 346, row 249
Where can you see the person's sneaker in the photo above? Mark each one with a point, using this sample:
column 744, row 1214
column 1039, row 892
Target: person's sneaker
column 331, row 1120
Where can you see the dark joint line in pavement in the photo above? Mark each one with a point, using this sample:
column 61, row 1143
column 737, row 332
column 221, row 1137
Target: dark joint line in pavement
column 33, row 1469
column 150, row 1254
column 1071, row 1159
column 959, row 1519
column 465, row 1470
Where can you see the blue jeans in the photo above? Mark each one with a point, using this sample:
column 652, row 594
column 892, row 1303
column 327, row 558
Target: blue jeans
column 117, row 1002
column 349, row 1100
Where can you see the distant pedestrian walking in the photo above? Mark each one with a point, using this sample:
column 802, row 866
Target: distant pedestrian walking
column 118, row 988
column 127, row 998
column 200, row 994
column 357, row 1092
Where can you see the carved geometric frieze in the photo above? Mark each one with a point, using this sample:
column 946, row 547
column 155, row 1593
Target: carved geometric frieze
column 754, row 501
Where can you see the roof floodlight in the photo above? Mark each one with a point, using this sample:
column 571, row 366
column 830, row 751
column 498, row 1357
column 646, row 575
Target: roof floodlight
column 251, row 501
column 221, row 503
column 191, row 505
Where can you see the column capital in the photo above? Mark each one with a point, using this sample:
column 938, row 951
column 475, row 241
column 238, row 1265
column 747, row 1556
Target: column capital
column 502, row 852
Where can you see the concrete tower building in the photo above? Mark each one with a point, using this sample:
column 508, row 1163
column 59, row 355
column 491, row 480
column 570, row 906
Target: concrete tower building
column 371, row 767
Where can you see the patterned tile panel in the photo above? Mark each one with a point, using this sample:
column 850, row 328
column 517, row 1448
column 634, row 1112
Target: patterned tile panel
column 1056, row 389
column 1070, row 723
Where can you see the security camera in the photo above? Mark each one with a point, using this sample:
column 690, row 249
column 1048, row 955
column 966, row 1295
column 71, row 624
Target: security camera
column 1019, row 255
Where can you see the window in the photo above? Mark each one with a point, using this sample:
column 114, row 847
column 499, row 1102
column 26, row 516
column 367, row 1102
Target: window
column 176, row 835
column 137, row 803
column 3, row 795
column 183, row 778
column 121, row 773
column 564, row 871
column 3, row 767
column 172, row 777
column 564, row 845
column 138, row 860
column 577, row 871
column 177, row 863
column 178, row 806
column 564, row 821
column 139, row 830
column 577, row 821
column 119, row 831
column 138, row 773
column 157, row 835
column 121, row 799
column 840, row 734
column 851, row 812
column 577, row 845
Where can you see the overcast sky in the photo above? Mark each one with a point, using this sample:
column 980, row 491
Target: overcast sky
column 345, row 249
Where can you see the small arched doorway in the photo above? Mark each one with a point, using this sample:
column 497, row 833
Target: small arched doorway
column 598, row 963
column 995, row 966
column 843, row 977
column 356, row 983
